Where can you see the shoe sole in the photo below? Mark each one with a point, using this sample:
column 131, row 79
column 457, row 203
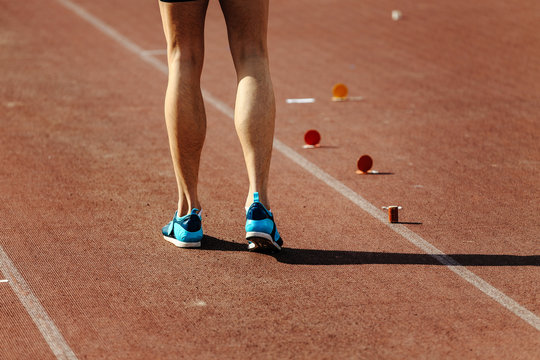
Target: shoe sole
column 262, row 241
column 183, row 244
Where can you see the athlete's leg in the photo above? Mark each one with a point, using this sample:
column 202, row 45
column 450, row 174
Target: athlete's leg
column 255, row 106
column 183, row 24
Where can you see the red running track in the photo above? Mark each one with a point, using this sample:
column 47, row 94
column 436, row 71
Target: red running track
column 450, row 113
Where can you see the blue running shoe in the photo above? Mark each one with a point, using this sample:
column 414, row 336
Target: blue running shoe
column 185, row 231
column 261, row 231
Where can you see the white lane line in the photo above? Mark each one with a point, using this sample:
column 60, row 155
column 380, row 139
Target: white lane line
column 26, row 296
column 154, row 52
column 4, row 281
column 335, row 184
column 412, row 237
column 115, row 35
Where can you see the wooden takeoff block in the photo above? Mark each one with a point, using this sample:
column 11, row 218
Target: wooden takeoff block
column 393, row 213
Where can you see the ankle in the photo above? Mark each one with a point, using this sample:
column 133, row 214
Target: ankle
column 186, row 210
column 263, row 199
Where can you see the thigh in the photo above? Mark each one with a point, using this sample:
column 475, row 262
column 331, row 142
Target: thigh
column 247, row 23
column 183, row 23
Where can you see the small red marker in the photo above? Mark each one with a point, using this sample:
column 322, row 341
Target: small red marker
column 364, row 164
column 312, row 139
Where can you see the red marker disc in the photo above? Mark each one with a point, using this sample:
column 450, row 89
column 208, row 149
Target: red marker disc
column 364, row 163
column 312, row 137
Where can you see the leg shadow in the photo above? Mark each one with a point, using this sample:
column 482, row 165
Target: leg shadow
column 295, row 256
column 212, row 243
column 336, row 257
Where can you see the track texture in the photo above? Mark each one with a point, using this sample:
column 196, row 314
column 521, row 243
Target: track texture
column 450, row 112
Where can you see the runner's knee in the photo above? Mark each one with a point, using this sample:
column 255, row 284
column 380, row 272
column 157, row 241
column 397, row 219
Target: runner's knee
column 248, row 51
column 185, row 59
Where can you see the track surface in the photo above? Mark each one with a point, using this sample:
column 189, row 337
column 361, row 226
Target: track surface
column 451, row 112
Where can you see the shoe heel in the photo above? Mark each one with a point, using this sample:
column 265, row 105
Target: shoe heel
column 263, row 242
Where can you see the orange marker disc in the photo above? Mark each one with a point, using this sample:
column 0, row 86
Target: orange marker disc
column 364, row 163
column 312, row 137
column 340, row 91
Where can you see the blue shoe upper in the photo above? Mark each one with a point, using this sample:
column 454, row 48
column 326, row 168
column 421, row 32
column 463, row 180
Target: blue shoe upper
column 259, row 219
column 187, row 228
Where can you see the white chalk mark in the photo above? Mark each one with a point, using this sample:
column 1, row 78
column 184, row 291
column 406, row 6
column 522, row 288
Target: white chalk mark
column 332, row 182
column 198, row 303
column 347, row 98
column 396, row 15
column 4, row 281
column 26, row 296
column 12, row 104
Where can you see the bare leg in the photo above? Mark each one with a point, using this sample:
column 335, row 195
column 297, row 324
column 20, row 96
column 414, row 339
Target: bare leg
column 183, row 24
column 255, row 105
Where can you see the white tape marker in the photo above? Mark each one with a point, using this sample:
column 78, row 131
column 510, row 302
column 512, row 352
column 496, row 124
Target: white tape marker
column 300, row 101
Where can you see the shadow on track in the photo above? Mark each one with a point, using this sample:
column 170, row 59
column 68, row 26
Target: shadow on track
column 339, row 257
